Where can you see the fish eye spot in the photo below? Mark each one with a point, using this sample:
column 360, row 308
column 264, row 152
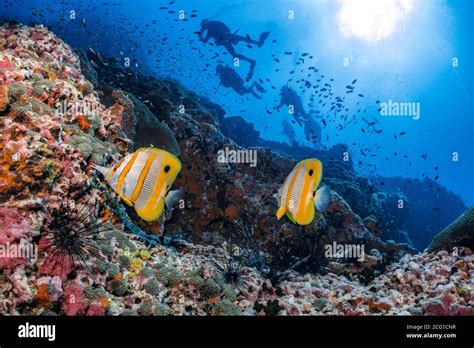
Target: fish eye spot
column 167, row 168
column 310, row 172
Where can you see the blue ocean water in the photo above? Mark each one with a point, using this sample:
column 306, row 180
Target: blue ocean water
column 399, row 51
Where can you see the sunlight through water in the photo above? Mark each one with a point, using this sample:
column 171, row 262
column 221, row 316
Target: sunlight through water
column 372, row 20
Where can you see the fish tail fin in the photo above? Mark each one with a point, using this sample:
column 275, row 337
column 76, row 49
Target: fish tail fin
column 100, row 169
column 322, row 199
column 280, row 212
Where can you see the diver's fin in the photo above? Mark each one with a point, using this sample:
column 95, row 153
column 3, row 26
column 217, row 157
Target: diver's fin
column 280, row 212
column 100, row 169
column 263, row 37
column 172, row 197
column 322, row 199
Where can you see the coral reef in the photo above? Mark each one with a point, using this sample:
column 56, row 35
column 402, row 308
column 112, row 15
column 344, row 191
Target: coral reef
column 55, row 124
column 185, row 282
column 223, row 198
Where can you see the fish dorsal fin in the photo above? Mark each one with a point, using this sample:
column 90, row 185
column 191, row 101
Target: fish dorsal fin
column 155, row 149
column 322, row 199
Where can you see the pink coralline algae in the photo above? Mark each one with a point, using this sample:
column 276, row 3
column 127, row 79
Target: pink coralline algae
column 14, row 232
column 74, row 302
column 95, row 310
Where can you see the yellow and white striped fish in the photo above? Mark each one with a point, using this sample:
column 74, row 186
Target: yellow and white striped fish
column 298, row 198
column 143, row 179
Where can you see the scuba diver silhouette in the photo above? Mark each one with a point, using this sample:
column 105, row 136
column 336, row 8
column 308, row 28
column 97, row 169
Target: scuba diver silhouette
column 290, row 98
column 230, row 79
column 312, row 130
column 293, row 100
column 224, row 37
column 287, row 129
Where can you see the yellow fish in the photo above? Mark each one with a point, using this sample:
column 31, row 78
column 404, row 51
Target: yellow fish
column 298, row 198
column 143, row 180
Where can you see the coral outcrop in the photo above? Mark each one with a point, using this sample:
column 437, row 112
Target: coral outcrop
column 457, row 234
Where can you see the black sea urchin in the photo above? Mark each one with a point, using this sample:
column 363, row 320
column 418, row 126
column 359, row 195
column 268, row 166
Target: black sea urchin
column 231, row 271
column 72, row 237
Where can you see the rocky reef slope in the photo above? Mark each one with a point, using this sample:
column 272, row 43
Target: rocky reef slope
column 60, row 112
column 226, row 200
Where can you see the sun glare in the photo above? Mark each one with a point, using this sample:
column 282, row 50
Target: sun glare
column 372, row 20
